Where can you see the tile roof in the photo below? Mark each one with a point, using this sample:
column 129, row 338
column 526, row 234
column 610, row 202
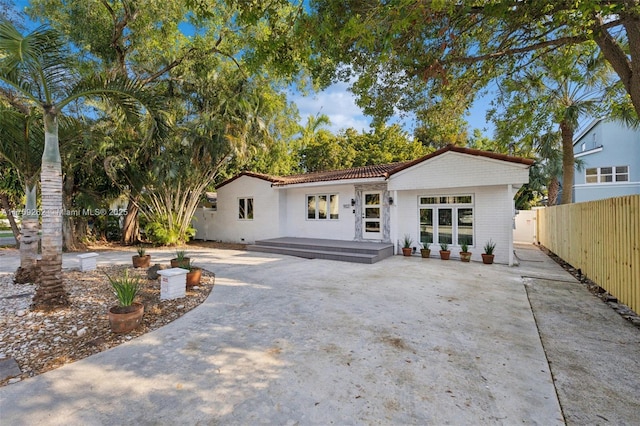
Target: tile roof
column 364, row 172
column 375, row 171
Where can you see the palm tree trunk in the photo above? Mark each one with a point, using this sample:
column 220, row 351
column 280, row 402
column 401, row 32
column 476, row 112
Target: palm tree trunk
column 28, row 271
column 50, row 292
column 568, row 162
column 553, row 188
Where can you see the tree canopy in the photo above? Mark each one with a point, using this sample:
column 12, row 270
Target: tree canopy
column 408, row 55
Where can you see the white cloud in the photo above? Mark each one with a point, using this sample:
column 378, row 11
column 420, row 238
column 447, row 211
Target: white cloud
column 337, row 103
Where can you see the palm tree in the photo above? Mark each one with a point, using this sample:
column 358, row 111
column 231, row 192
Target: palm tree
column 21, row 146
column 37, row 68
column 549, row 148
column 556, row 90
column 572, row 86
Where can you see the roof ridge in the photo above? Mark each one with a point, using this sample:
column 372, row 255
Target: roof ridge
column 374, row 170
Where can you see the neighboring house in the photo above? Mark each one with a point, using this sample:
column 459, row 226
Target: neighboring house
column 610, row 153
column 452, row 196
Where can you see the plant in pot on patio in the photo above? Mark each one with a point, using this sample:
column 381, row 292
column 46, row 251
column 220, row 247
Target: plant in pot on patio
column 487, row 256
column 425, row 251
column 181, row 260
column 194, row 275
column 141, row 260
column 406, row 245
column 128, row 314
column 444, row 251
column 465, row 254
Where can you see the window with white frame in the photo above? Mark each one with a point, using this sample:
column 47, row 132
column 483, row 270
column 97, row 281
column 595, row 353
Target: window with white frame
column 607, row 174
column 245, row 208
column 446, row 219
column 322, row 207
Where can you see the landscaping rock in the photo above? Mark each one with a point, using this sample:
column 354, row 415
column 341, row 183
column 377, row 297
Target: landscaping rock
column 9, row 368
column 152, row 272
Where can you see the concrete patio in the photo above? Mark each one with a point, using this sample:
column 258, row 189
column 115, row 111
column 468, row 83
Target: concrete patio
column 404, row 341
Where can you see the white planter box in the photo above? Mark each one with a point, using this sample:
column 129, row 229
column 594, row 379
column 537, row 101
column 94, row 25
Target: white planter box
column 173, row 283
column 87, row 261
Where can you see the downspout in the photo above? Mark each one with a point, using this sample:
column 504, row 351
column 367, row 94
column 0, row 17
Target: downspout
column 512, row 205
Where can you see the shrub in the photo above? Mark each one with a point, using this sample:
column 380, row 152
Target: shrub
column 125, row 288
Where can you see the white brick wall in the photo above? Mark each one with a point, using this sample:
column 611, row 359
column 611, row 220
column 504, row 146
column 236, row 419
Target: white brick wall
column 297, row 224
column 224, row 225
column 455, row 170
column 491, row 215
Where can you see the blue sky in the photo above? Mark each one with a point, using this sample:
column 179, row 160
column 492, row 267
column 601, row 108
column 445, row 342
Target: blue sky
column 339, row 104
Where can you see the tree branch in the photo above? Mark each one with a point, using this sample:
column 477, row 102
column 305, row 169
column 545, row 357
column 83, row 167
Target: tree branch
column 14, row 101
column 178, row 61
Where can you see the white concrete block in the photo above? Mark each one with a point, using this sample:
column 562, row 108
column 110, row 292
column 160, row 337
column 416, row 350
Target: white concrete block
column 173, row 283
column 87, row 261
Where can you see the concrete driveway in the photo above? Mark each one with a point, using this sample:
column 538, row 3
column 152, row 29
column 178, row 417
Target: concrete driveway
column 293, row 341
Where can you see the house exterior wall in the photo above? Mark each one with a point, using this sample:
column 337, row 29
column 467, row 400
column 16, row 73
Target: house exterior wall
column 492, row 219
column 281, row 211
column 295, row 211
column 224, row 224
column 607, row 144
column 454, row 170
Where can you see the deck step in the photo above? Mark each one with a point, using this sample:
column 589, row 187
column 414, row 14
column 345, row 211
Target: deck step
column 308, row 248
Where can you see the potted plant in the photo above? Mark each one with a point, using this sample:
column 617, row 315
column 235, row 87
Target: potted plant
column 127, row 315
column 181, row 260
column 425, row 251
column 142, row 260
column 465, row 254
column 487, row 256
column 444, row 251
column 406, row 245
column 193, row 276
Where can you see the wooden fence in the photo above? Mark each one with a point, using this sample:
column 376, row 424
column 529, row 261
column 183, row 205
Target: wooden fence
column 602, row 238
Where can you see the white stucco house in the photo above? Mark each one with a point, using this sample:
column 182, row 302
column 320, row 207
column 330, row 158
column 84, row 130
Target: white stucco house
column 453, row 195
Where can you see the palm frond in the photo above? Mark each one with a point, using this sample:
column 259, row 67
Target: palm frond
column 32, row 64
column 130, row 97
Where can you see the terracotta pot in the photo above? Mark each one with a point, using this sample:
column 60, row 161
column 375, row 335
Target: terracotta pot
column 124, row 319
column 444, row 254
column 193, row 277
column 406, row 251
column 425, row 253
column 487, row 259
column 141, row 261
column 184, row 263
column 465, row 256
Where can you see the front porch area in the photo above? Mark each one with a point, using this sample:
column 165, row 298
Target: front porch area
column 314, row 248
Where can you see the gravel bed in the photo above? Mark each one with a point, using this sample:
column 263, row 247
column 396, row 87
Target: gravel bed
column 40, row 341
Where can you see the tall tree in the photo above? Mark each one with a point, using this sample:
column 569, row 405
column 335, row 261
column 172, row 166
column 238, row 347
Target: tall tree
column 127, row 37
column 21, row 144
column 35, row 67
column 383, row 145
column 227, row 119
column 401, row 52
column 11, row 192
column 556, row 89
